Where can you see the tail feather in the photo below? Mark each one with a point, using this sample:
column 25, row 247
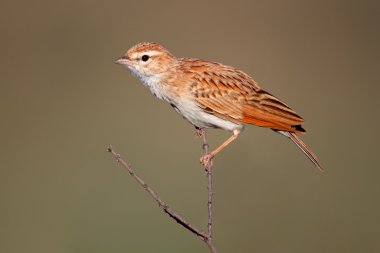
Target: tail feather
column 313, row 158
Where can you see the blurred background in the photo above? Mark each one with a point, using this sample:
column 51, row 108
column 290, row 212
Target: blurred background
column 63, row 100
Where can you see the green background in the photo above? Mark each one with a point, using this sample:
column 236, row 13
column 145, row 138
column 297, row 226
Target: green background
column 63, row 100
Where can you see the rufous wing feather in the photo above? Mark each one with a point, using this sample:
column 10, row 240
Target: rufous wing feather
column 264, row 109
column 233, row 95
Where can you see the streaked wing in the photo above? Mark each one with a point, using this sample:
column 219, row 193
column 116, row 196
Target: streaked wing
column 233, row 95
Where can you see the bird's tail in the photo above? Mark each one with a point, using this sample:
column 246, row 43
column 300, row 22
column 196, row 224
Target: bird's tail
column 313, row 158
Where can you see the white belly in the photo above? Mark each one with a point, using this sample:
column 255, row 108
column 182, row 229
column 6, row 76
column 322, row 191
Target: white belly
column 201, row 119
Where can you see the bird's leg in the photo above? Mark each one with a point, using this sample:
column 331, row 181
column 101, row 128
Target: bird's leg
column 200, row 131
column 206, row 160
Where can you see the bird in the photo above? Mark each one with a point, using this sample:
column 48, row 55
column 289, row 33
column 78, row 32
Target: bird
column 209, row 94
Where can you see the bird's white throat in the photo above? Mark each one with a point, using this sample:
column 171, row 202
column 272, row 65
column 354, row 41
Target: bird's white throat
column 152, row 82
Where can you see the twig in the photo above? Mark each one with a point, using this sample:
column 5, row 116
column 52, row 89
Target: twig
column 208, row 169
column 157, row 198
column 206, row 237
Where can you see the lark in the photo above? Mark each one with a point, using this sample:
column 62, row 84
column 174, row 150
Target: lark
column 212, row 95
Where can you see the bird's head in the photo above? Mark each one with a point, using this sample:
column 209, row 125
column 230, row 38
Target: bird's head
column 147, row 59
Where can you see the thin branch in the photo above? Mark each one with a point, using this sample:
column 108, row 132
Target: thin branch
column 157, row 198
column 206, row 237
column 208, row 169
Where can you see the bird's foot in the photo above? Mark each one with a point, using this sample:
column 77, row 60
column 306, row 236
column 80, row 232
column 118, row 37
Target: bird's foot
column 206, row 161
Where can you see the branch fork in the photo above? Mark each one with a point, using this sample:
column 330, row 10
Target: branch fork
column 205, row 236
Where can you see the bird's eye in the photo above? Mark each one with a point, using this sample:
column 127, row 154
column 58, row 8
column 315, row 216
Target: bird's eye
column 145, row 57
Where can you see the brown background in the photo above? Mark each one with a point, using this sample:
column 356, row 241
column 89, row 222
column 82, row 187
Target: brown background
column 63, row 100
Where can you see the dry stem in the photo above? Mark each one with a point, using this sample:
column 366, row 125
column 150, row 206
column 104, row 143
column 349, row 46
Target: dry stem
column 206, row 237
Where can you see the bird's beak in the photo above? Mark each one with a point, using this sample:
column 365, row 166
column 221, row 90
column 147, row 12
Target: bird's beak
column 123, row 60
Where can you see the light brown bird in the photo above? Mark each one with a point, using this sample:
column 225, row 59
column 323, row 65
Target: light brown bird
column 212, row 95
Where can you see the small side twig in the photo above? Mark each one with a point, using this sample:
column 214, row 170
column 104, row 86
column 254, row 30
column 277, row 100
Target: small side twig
column 157, row 198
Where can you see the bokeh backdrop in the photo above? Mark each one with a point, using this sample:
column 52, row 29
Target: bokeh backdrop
column 63, row 100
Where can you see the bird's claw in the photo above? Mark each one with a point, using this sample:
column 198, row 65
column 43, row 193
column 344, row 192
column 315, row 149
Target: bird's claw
column 206, row 160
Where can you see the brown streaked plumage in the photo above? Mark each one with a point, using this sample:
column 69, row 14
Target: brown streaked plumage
column 212, row 95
